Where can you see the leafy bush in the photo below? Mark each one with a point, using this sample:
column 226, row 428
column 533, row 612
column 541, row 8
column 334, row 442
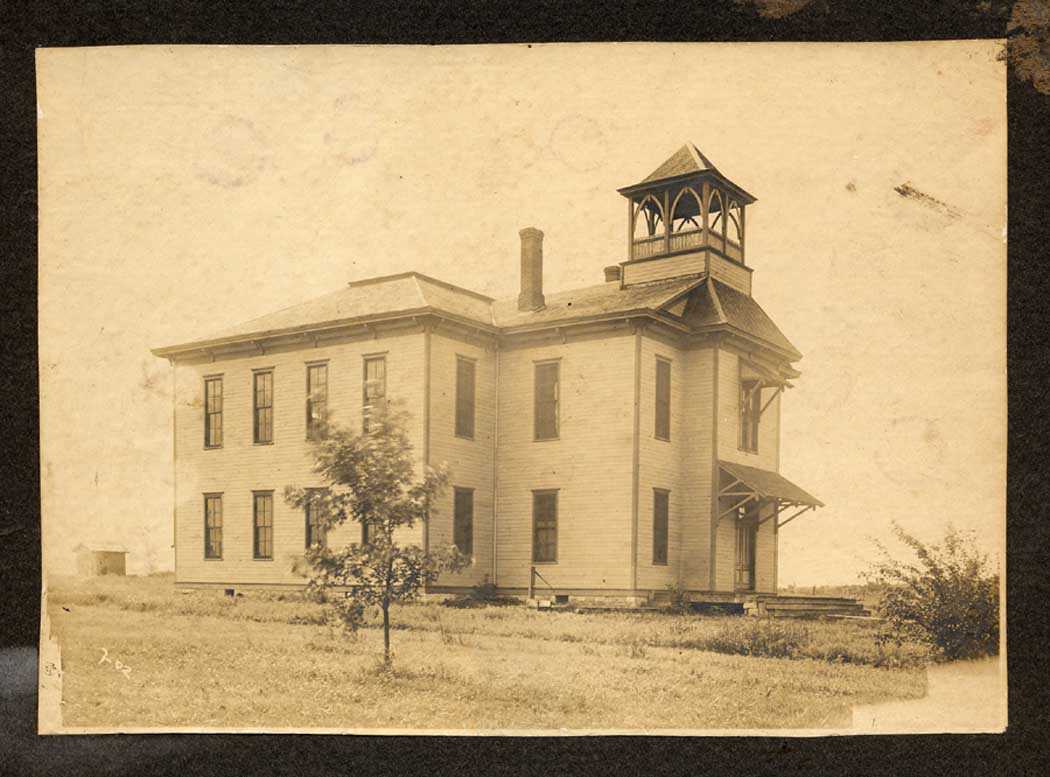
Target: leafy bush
column 948, row 598
column 482, row 595
column 678, row 599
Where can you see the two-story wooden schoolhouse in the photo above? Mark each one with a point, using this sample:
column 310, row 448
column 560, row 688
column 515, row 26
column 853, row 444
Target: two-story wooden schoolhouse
column 616, row 439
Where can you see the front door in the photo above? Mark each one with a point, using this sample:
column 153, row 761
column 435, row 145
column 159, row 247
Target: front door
column 746, row 532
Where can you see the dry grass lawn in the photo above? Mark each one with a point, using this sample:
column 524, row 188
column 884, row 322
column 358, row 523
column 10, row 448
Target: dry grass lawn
column 199, row 659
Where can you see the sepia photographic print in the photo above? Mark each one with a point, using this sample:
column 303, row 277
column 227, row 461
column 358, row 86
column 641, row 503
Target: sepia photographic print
column 511, row 389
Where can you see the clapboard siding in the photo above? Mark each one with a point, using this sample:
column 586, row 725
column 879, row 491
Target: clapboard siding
column 729, row 419
column 695, row 469
column 729, row 273
column 240, row 467
column 469, row 462
column 660, row 465
column 659, row 269
column 590, row 464
column 766, row 458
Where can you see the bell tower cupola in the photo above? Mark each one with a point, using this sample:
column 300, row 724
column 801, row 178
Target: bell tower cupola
column 686, row 218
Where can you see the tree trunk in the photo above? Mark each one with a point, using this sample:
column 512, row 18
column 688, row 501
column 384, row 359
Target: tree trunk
column 386, row 633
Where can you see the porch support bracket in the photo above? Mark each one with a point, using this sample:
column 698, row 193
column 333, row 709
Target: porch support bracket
column 786, row 521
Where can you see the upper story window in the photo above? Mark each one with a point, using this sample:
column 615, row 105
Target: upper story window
column 750, row 412
column 663, row 399
column 464, row 397
column 262, row 404
column 262, row 525
column 374, row 388
column 213, row 526
column 213, row 412
column 316, row 399
column 661, row 505
column 463, row 521
column 315, row 528
column 544, row 526
column 546, row 401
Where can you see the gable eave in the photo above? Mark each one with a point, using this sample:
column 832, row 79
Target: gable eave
column 738, row 191
column 267, row 337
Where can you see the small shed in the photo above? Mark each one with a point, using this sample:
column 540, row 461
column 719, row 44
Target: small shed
column 91, row 563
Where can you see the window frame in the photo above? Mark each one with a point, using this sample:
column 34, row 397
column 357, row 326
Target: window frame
column 208, row 412
column 257, row 374
column 658, row 428
column 665, row 495
column 308, row 514
column 209, row 497
column 462, row 431
column 256, row 526
column 749, row 415
column 457, row 492
column 537, row 495
column 555, row 403
column 366, row 359
column 312, row 401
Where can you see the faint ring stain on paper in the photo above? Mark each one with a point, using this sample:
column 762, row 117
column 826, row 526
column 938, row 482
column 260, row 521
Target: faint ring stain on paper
column 578, row 142
column 233, row 154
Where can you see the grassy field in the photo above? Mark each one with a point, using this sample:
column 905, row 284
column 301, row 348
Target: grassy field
column 200, row 659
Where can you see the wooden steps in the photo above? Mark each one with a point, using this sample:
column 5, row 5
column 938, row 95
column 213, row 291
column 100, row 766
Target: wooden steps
column 804, row 607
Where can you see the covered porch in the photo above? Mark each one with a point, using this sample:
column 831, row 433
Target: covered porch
column 749, row 499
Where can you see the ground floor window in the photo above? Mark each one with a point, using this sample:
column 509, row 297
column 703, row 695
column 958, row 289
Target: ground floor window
column 262, row 525
column 661, row 503
column 463, row 521
column 315, row 529
column 544, row 526
column 213, row 526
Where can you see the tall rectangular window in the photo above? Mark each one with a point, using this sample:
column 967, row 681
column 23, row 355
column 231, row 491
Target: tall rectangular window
column 262, row 404
column 464, row 397
column 544, row 526
column 213, row 526
column 546, row 401
column 262, row 525
column 663, row 399
column 213, row 413
column 750, row 410
column 316, row 534
column 374, row 388
column 316, row 400
column 661, row 503
column 463, row 521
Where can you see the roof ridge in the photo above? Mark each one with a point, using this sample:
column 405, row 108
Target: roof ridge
column 717, row 302
column 698, row 156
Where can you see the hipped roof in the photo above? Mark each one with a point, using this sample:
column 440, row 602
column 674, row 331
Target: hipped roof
column 681, row 165
column 712, row 305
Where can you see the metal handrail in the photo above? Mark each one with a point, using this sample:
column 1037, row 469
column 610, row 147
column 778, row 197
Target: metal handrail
column 533, row 574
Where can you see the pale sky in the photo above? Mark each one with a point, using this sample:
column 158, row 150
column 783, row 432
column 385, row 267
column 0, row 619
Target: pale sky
column 185, row 189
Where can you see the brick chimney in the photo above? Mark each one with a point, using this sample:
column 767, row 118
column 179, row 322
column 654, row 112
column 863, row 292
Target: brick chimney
column 531, row 297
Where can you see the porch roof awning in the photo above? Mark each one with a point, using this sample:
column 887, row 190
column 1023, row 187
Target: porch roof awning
column 769, row 485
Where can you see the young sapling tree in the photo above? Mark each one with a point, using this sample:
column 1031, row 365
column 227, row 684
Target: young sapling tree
column 371, row 479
